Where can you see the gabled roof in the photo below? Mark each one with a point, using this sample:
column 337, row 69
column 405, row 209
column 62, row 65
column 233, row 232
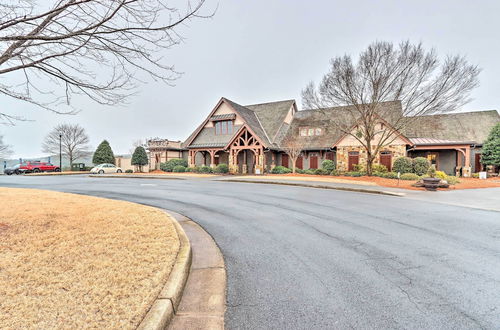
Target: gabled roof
column 464, row 126
column 271, row 116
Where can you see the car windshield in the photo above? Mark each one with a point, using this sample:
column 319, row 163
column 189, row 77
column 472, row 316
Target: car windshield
column 16, row 166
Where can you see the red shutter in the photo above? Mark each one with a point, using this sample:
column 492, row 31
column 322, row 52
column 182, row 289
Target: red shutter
column 299, row 163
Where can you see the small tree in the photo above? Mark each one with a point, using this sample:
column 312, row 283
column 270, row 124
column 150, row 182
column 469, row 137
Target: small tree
column 139, row 158
column 4, row 148
column 72, row 139
column 293, row 146
column 491, row 148
column 103, row 154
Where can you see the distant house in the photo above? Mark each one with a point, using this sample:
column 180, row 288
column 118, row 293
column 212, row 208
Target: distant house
column 250, row 139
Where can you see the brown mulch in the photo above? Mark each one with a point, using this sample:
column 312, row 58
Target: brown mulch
column 465, row 183
column 71, row 262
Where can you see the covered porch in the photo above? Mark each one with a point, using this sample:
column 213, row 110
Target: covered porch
column 451, row 157
column 244, row 154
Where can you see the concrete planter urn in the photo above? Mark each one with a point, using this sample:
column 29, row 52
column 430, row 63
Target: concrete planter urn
column 431, row 184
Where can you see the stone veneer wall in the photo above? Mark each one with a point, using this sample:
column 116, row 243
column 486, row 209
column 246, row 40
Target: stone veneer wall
column 343, row 155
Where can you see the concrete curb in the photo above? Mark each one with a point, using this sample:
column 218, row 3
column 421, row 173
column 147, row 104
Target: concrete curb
column 164, row 307
column 361, row 190
column 134, row 177
column 55, row 174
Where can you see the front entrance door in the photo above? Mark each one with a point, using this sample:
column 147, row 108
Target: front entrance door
column 313, row 162
column 386, row 159
column 433, row 158
column 284, row 160
column 353, row 160
column 478, row 166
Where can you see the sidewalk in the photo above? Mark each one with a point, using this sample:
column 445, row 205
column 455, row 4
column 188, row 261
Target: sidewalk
column 327, row 183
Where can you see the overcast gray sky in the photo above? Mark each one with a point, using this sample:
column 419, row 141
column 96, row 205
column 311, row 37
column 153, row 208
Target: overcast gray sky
column 267, row 50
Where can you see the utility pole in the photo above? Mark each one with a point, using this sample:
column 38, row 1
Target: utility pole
column 60, row 152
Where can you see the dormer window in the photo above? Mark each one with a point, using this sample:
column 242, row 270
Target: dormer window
column 224, row 127
column 310, row 131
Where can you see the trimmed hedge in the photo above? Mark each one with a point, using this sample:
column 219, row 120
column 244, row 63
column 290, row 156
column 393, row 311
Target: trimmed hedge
column 221, row 168
column 321, row 171
column 409, row 176
column 205, row 169
column 420, row 165
column 129, row 171
column 354, row 174
column 390, row 175
column 179, row 169
column 281, row 170
column 379, row 168
column 169, row 165
column 328, row 165
column 403, row 165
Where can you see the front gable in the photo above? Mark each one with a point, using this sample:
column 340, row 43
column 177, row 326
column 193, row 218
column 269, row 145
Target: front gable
column 348, row 140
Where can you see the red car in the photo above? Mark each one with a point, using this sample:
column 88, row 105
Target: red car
column 35, row 167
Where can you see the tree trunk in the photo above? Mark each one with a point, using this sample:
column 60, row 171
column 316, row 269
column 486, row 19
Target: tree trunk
column 369, row 163
column 293, row 165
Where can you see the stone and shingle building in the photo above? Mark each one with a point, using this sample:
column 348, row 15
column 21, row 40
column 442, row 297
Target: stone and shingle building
column 250, row 138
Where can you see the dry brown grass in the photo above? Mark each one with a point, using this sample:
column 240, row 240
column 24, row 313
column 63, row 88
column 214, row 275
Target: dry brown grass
column 70, row 261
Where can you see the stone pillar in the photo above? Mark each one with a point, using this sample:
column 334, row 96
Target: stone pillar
column 212, row 158
column 233, row 167
column 191, row 158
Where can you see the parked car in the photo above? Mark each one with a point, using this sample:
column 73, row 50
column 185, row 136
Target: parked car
column 106, row 168
column 12, row 170
column 36, row 167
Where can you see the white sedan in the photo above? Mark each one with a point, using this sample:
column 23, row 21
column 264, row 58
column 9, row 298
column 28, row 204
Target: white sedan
column 105, row 168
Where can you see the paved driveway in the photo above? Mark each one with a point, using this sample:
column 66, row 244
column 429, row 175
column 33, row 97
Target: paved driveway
column 304, row 258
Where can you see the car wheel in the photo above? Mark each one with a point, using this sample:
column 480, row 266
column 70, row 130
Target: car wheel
column 36, row 170
column 118, row 171
column 9, row 173
column 17, row 172
column 57, row 170
column 101, row 172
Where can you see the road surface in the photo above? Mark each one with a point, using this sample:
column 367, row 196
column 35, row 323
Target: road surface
column 305, row 258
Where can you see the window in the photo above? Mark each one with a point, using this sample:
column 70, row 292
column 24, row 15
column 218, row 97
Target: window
column 310, row 131
column 224, row 127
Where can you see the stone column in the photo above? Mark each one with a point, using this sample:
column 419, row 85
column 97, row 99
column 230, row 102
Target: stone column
column 212, row 158
column 233, row 167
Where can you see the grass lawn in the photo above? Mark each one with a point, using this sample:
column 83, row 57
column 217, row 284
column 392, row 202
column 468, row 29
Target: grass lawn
column 70, row 261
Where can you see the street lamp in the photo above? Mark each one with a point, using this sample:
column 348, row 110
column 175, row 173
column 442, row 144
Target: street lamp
column 60, row 152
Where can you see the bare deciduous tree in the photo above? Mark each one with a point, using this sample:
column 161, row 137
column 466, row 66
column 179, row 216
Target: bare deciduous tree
column 5, row 149
column 293, row 146
column 54, row 50
column 74, row 141
column 384, row 72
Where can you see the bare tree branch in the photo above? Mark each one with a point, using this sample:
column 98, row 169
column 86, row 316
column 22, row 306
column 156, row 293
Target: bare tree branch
column 5, row 149
column 96, row 48
column 293, row 146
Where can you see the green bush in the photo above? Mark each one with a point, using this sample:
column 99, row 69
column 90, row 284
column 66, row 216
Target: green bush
column 321, row 171
column 335, row 173
column 403, row 165
column 129, row 171
column 475, row 175
column 169, row 165
column 354, row 174
column 221, row 168
column 281, row 170
column 359, row 168
column 179, row 169
column 379, row 168
column 328, row 165
column 189, row 169
column 409, row 176
column 420, row 165
column 390, row 175
column 195, row 169
column 452, row 180
column 205, row 169
column 379, row 174
column 310, row 171
column 299, row 171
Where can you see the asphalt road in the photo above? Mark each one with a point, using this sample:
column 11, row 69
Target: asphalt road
column 305, row 258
